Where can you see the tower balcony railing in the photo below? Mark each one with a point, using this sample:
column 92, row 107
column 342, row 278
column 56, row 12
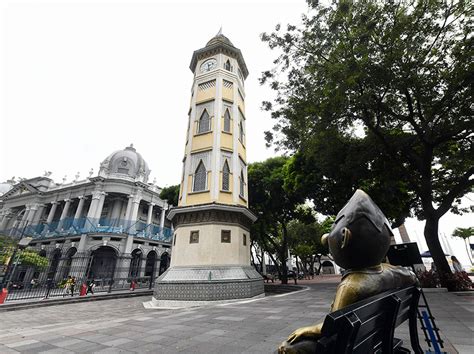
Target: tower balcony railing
column 72, row 226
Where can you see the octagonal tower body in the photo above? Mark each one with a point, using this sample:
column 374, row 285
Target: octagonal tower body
column 211, row 243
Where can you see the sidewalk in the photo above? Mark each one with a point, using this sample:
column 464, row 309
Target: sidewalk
column 256, row 326
column 58, row 300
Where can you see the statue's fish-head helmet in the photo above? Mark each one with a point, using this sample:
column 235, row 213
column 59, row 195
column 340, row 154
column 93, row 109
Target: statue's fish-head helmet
column 360, row 236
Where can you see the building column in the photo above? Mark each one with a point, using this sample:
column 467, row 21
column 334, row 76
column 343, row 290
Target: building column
column 149, row 218
column 134, row 211
column 25, row 216
column 91, row 220
column 52, row 211
column 100, row 206
column 67, row 203
column 129, row 208
column 39, row 214
column 116, row 210
column 80, row 206
column 31, row 214
column 4, row 220
column 162, row 217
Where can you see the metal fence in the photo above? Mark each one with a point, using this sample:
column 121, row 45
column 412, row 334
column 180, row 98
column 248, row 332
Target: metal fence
column 106, row 271
column 72, row 226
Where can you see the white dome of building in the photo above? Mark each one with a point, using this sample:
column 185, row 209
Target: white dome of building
column 125, row 164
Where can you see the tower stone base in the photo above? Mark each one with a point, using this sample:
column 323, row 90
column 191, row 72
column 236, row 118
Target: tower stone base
column 194, row 286
column 210, row 261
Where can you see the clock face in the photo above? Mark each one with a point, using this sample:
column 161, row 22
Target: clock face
column 208, row 65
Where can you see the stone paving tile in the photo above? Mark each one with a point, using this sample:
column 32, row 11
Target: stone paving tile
column 18, row 344
column 57, row 351
column 252, row 327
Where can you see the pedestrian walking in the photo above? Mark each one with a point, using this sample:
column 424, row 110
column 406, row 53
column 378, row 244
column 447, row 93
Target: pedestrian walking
column 90, row 287
column 73, row 285
column 456, row 264
column 67, row 286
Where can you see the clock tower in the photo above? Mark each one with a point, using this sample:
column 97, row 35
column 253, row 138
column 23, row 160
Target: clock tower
column 211, row 243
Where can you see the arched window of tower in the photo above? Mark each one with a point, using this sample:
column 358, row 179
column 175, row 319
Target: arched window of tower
column 204, row 122
column 225, row 177
column 227, row 121
column 242, row 184
column 227, row 65
column 200, row 178
column 241, row 132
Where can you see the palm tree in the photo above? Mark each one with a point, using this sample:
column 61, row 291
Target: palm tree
column 465, row 233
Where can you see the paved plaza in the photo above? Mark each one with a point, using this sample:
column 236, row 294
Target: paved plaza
column 124, row 325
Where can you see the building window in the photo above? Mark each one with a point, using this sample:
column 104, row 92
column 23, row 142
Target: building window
column 225, row 236
column 123, row 170
column 241, row 132
column 200, row 178
column 227, row 65
column 245, row 240
column 227, row 121
column 204, row 124
column 194, row 237
column 242, row 184
column 226, row 177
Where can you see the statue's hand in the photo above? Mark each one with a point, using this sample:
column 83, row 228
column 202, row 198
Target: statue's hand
column 310, row 331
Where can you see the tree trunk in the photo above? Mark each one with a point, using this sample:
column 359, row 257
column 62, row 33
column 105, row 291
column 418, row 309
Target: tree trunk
column 437, row 253
column 468, row 249
column 284, row 255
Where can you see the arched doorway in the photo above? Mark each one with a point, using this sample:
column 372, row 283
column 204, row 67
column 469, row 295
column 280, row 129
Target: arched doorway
column 135, row 263
column 164, row 262
column 102, row 263
column 328, row 267
column 150, row 266
column 53, row 267
column 66, row 269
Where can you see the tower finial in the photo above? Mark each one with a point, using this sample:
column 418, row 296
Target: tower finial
column 220, row 32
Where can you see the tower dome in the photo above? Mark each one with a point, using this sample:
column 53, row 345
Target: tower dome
column 125, row 164
column 219, row 38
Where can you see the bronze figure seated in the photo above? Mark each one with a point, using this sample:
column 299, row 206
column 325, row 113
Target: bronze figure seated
column 358, row 241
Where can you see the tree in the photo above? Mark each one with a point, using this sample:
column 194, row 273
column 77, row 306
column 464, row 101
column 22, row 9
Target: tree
column 171, row 194
column 305, row 242
column 391, row 84
column 465, row 234
column 274, row 207
column 26, row 257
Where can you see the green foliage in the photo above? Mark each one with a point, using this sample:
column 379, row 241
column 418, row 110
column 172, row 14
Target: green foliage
column 171, row 194
column 32, row 258
column 274, row 206
column 463, row 233
column 378, row 95
column 26, row 257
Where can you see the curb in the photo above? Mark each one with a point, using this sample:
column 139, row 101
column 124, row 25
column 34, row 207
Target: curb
column 60, row 301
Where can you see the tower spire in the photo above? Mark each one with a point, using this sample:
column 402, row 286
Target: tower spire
column 220, row 31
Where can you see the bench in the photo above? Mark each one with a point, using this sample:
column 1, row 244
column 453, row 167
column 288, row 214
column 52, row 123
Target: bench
column 368, row 326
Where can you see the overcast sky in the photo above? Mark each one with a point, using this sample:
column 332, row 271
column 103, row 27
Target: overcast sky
column 81, row 79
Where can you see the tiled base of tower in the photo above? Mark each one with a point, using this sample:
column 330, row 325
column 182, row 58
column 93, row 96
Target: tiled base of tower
column 210, row 258
column 192, row 286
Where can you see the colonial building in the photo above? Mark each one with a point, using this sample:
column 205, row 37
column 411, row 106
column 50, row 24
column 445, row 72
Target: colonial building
column 110, row 227
column 211, row 244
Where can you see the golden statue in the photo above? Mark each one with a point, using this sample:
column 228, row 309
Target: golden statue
column 358, row 241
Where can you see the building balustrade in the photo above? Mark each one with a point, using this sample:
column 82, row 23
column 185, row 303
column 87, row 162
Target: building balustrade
column 71, row 226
